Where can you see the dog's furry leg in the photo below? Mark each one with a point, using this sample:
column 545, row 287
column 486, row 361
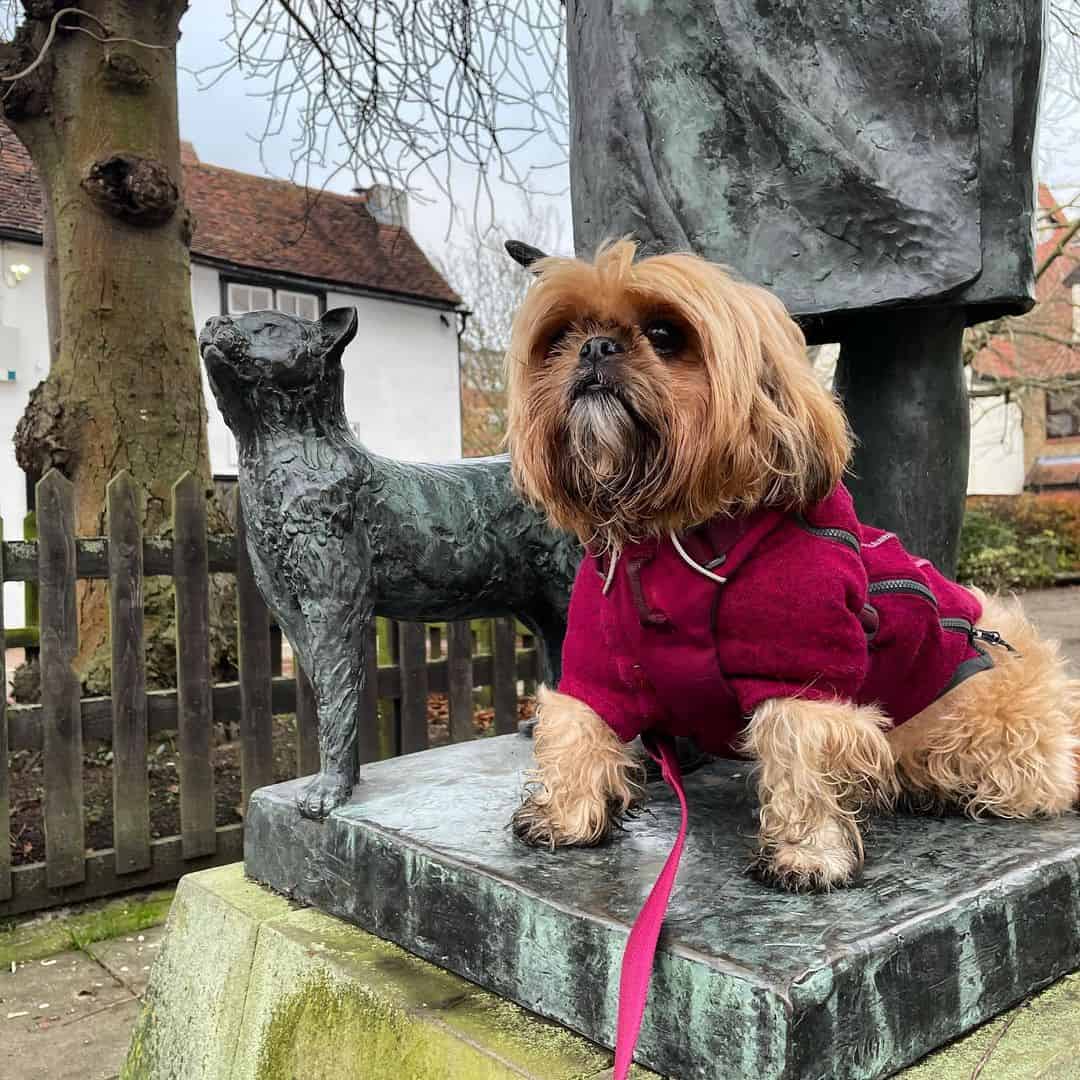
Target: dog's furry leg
column 820, row 761
column 1004, row 742
column 585, row 777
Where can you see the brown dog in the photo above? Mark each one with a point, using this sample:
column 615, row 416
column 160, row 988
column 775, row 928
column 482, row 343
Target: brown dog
column 650, row 399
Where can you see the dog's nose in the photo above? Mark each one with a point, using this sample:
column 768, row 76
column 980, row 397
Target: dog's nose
column 596, row 349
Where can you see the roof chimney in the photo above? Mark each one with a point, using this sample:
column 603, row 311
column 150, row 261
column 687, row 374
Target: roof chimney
column 388, row 205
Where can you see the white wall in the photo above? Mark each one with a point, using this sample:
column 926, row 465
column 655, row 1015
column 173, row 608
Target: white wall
column 24, row 349
column 401, row 379
column 996, row 465
column 205, row 302
column 402, row 390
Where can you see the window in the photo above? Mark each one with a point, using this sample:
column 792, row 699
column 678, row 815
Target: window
column 1062, row 414
column 306, row 305
column 241, row 298
column 249, row 298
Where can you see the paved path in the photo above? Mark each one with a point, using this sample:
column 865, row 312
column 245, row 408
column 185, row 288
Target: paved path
column 69, row 1017
column 1056, row 612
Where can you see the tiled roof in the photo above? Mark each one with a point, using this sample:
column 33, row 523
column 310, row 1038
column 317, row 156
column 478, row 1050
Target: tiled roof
column 266, row 225
column 20, row 195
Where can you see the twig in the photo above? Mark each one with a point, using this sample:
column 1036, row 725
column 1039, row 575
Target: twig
column 999, row 1035
column 1058, row 248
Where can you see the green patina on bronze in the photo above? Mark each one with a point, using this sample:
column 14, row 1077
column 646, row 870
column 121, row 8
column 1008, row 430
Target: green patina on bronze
column 773, row 985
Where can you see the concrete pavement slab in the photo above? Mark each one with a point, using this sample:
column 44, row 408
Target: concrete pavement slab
column 64, row 1018
column 128, row 959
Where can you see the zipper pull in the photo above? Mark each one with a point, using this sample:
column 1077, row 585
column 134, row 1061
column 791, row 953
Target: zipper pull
column 991, row 637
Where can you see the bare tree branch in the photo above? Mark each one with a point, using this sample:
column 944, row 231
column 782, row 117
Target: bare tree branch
column 397, row 91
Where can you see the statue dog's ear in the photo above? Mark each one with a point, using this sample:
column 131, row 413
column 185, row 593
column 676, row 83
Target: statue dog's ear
column 339, row 328
column 523, row 254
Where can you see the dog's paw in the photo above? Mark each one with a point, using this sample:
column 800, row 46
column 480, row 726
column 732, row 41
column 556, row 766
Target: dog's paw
column 532, row 826
column 535, row 824
column 326, row 791
column 825, row 860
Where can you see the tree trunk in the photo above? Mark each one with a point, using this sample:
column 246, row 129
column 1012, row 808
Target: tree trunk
column 124, row 391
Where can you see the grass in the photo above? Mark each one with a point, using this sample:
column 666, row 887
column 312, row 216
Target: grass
column 40, row 936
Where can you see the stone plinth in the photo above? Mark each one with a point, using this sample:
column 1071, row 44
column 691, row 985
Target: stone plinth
column 249, row 987
column 952, row 922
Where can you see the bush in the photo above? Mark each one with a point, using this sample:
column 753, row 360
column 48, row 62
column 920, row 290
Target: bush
column 1019, row 542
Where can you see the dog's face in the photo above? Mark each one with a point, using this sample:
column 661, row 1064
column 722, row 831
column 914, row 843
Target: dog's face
column 264, row 355
column 656, row 394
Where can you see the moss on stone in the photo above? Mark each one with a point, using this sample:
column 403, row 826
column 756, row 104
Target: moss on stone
column 336, row 1030
column 46, row 935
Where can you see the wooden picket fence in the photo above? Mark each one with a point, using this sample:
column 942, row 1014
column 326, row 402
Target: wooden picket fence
column 130, row 716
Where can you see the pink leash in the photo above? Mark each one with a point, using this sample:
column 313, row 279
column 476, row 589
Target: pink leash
column 637, row 962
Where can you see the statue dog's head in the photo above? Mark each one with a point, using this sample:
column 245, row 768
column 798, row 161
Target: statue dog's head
column 269, row 365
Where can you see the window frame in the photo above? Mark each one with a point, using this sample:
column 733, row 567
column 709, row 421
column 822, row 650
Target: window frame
column 274, row 286
column 1074, row 412
column 297, row 295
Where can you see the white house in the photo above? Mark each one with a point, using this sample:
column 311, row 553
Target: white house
column 262, row 243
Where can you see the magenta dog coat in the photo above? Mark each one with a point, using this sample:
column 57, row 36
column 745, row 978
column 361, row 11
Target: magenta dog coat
column 687, row 635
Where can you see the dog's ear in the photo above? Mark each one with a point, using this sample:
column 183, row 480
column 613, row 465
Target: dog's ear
column 523, row 254
column 339, row 328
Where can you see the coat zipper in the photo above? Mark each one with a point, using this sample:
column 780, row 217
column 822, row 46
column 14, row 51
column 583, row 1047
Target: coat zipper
column 831, row 533
column 903, row 585
column 976, row 633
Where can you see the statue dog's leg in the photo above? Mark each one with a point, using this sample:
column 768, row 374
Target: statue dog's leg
column 336, row 669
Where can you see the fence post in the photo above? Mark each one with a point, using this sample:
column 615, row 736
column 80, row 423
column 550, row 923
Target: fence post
column 5, row 788
column 504, row 676
column 412, row 663
column 31, row 591
column 459, row 680
column 307, row 723
column 131, row 792
column 528, row 641
column 253, row 646
column 376, row 731
column 60, row 688
column 484, row 642
column 194, row 696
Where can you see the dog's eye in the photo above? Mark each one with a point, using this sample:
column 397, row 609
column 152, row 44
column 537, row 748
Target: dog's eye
column 665, row 337
column 557, row 339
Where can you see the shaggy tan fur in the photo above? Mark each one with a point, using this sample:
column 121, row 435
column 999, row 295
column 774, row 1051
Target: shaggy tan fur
column 585, row 779
column 728, row 419
column 1004, row 742
column 821, row 764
